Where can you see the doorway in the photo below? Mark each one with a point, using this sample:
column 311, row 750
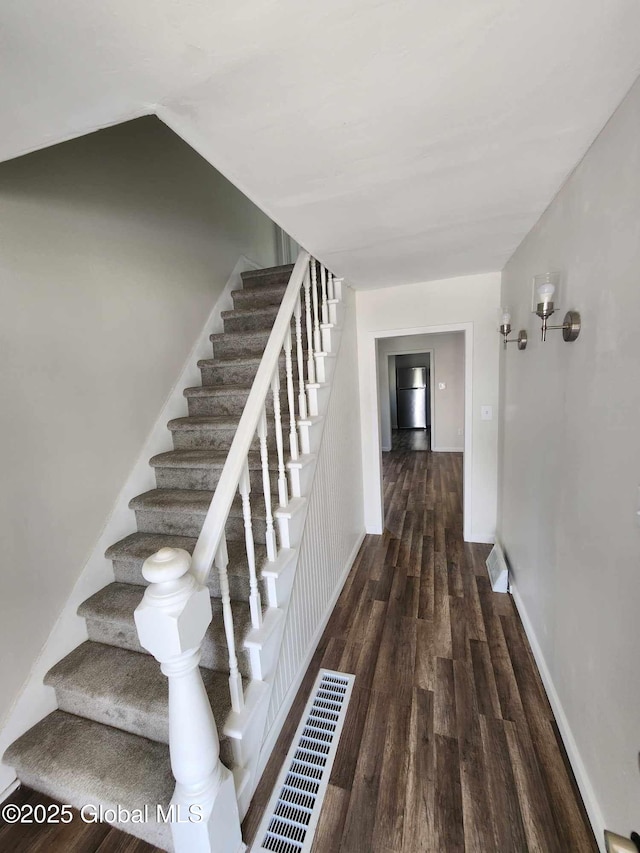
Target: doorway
column 411, row 399
column 378, row 348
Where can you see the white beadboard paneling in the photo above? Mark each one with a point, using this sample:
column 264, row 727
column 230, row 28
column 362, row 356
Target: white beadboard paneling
column 334, row 527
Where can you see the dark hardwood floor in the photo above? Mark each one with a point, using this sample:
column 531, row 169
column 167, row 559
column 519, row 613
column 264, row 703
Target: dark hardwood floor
column 450, row 743
column 411, row 439
column 74, row 837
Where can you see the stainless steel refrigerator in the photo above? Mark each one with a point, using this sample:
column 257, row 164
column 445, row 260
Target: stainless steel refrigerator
column 411, row 384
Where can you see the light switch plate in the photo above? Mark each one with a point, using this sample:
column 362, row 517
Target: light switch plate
column 486, row 413
column 442, row 386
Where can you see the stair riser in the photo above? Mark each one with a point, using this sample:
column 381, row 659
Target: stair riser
column 203, row 439
column 251, row 282
column 214, row 655
column 236, row 346
column 228, row 373
column 251, row 322
column 258, row 297
column 202, row 478
column 239, row 587
column 185, row 524
column 249, row 344
column 225, row 405
column 212, row 439
column 154, row 726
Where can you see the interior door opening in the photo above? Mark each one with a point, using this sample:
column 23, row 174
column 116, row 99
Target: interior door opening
column 423, row 385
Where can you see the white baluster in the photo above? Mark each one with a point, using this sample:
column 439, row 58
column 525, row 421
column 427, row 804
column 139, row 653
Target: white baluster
column 317, row 345
column 235, row 679
column 302, row 393
column 266, row 486
column 172, row 619
column 283, row 494
column 311, row 364
column 323, row 286
column 330, row 289
column 291, row 399
column 255, row 603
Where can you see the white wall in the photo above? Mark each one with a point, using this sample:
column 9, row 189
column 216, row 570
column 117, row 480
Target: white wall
column 114, row 249
column 570, row 466
column 469, row 301
column 447, row 432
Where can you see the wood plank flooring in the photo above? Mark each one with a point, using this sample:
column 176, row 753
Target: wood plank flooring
column 74, row 837
column 449, row 744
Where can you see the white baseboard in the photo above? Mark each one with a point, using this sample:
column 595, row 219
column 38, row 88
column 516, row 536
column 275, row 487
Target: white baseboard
column 35, row 700
column 584, row 784
column 274, row 732
column 482, row 537
column 9, row 790
column 447, row 449
column 386, row 449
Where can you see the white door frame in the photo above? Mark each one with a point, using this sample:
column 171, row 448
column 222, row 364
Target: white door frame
column 432, row 411
column 373, row 417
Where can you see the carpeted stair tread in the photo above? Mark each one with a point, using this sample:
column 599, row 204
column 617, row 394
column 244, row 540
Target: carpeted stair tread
column 263, row 272
column 260, row 296
column 199, row 422
column 203, row 459
column 135, row 548
column 109, row 615
column 125, row 689
column 188, row 501
column 267, row 313
column 216, row 390
column 81, row 762
column 234, row 361
column 191, row 502
column 257, row 279
column 243, row 338
column 138, row 546
column 108, row 742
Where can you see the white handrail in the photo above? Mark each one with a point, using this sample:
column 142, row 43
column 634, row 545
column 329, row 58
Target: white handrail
column 213, row 528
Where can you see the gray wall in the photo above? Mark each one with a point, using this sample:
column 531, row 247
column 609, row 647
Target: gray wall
column 570, row 465
column 113, row 250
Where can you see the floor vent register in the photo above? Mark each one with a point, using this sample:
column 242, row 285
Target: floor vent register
column 291, row 817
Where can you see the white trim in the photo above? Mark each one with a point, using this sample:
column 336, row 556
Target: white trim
column 449, row 450
column 9, row 790
column 35, row 700
column 483, row 537
column 375, row 462
column 274, row 732
column 584, row 784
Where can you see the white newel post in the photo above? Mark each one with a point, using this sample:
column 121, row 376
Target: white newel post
column 172, row 619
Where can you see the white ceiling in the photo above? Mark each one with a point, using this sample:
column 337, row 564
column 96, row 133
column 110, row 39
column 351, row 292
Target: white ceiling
column 399, row 140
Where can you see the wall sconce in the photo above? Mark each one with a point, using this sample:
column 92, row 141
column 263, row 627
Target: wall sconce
column 544, row 287
column 505, row 331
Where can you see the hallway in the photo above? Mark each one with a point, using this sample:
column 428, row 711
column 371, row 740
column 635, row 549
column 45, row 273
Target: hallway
column 450, row 743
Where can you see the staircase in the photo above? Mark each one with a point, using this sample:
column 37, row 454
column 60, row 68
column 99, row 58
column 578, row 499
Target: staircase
column 108, row 743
